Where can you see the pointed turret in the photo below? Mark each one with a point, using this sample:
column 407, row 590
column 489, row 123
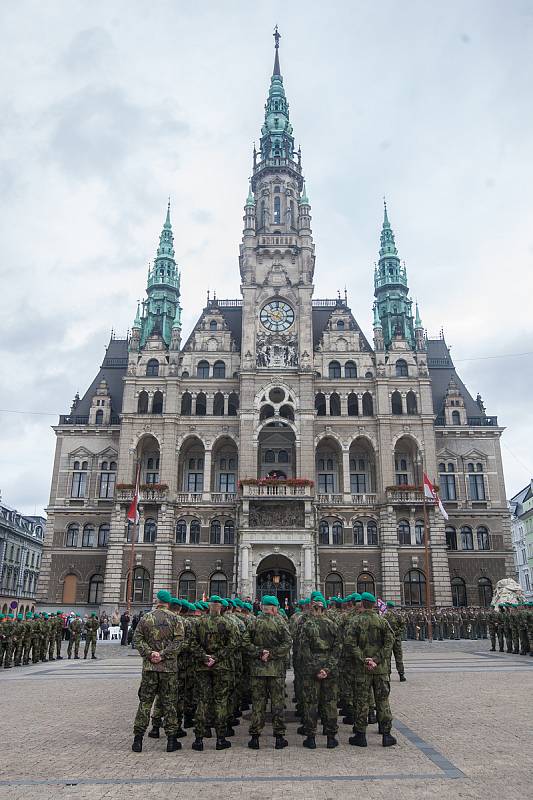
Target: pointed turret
column 420, row 340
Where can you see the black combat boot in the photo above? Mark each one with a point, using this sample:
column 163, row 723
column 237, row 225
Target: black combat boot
column 388, row 740
column 230, row 731
column 198, row 744
column 301, row 731
column 372, row 719
column 69, row 658
column 180, row 733
column 59, row 658
column 173, row 744
column 348, row 719
column 309, row 742
column 253, row 744
column 332, row 742
column 154, row 733
column 188, row 722
column 402, row 678
column 50, row 659
column 95, row 658
column 235, row 721
column 77, row 657
column 358, row 739
column 281, row 742
column 222, row 743
column 380, row 728
column 137, row 745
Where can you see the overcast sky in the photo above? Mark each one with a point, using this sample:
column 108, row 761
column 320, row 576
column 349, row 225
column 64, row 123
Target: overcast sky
column 106, row 108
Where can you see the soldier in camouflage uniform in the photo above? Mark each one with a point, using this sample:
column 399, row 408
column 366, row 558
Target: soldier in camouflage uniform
column 319, row 645
column 3, row 638
column 76, row 627
column 59, row 635
column 493, row 625
column 158, row 637
column 368, row 639
column 213, row 642
column 52, row 628
column 27, row 639
column 8, row 632
column 267, row 643
column 44, row 633
column 396, row 623
column 18, row 640
column 522, row 629
column 515, row 628
column 91, row 631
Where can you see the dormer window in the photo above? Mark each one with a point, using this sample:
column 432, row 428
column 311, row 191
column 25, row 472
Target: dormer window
column 213, row 325
column 340, row 324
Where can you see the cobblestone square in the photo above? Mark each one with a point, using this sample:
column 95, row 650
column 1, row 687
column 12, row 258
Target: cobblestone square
column 462, row 726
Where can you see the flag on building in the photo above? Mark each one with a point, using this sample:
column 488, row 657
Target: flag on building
column 431, row 494
column 133, row 511
column 382, row 606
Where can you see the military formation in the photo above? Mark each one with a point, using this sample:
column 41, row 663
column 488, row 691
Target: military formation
column 206, row 663
column 35, row 637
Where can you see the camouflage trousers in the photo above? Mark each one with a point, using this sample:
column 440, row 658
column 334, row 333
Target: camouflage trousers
column 212, row 701
column 262, row 689
column 17, row 653
column 35, row 649
column 75, row 639
column 59, row 640
column 90, row 640
column 43, row 647
column 3, row 651
column 362, row 686
column 501, row 643
column 27, row 649
column 524, row 641
column 164, row 686
column 319, row 698
column 181, row 688
column 398, row 655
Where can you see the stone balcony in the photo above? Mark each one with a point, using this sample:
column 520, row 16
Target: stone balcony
column 365, row 499
column 146, row 495
column 409, row 497
column 277, row 491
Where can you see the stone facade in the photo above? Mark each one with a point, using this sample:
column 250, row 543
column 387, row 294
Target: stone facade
column 21, row 548
column 277, row 448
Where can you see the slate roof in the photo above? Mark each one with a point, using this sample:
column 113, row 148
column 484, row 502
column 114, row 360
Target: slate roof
column 441, row 370
column 112, row 371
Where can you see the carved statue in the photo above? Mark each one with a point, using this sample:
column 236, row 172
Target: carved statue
column 269, row 515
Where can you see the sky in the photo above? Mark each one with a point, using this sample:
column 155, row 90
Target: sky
column 107, row 108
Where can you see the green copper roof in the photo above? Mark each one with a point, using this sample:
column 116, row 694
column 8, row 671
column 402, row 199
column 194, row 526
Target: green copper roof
column 377, row 321
column 304, row 200
column 250, row 200
column 418, row 321
column 276, row 133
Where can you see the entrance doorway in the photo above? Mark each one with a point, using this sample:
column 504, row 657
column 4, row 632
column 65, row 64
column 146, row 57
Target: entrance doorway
column 276, row 575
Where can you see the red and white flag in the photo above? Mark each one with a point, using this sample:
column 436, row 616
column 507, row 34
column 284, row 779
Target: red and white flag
column 382, row 606
column 133, row 510
column 431, row 494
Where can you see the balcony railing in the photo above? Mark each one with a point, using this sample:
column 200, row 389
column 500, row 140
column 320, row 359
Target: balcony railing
column 276, row 491
column 76, row 419
column 189, row 498
column 329, row 499
column 364, row 499
column 145, row 495
column 224, row 498
column 407, row 497
column 480, row 422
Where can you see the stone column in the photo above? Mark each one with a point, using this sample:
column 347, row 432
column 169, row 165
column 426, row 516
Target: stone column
column 162, row 578
column 207, row 475
column 246, row 583
column 344, row 405
column 226, row 403
column 346, row 471
column 390, row 569
column 111, row 598
column 327, row 405
column 209, row 404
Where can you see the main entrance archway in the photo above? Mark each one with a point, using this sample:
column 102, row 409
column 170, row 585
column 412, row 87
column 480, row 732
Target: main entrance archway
column 276, row 575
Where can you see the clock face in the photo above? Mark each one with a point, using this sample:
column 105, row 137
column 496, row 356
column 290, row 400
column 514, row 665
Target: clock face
column 277, row 316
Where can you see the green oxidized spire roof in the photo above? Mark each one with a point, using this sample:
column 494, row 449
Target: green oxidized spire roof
column 388, row 246
column 304, row 200
column 250, row 201
column 418, row 321
column 276, row 133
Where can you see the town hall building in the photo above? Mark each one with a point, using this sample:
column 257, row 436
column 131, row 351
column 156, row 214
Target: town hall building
column 280, row 448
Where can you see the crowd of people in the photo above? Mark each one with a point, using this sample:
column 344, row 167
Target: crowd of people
column 38, row 636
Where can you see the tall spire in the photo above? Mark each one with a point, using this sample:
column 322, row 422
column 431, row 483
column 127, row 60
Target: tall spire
column 277, row 37
column 277, row 141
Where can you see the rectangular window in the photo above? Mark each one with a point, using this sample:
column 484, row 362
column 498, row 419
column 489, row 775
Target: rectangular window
column 79, row 482
column 129, row 534
column 195, row 482
column 358, row 483
column 402, row 479
column 326, row 483
column 477, row 487
column 107, row 485
column 226, row 482
column 152, row 477
column 467, row 542
column 447, row 487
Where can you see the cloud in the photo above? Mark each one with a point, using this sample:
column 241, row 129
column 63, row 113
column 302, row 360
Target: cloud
column 90, row 49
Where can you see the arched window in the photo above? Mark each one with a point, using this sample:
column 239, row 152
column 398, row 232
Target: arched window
column 353, row 405
column 142, row 403
column 181, row 531
column 157, row 403
column 366, row 583
column 103, row 535
column 320, row 405
column 419, row 532
column 266, row 412
column 70, row 586
column 337, row 533
column 483, row 538
column 229, row 532
column 186, row 404
column 152, row 368
column 485, row 592
column 218, row 584
column 334, row 369
column 372, row 533
column 150, row 531
column 219, row 369
column 368, row 405
column 458, row 592
column 88, row 537
column 233, row 405
column 451, row 538
column 187, row 586
column 323, row 532
column 140, row 585
column 277, row 211
column 467, row 540
column 194, row 532
column 350, row 370
column 214, row 532
column 213, row 325
column 456, row 418
column 358, row 533
column 99, row 417
column 202, row 370
column 404, row 532
column 218, row 405
column 283, row 457
column 401, row 369
column 411, row 404
column 201, row 405
column 73, row 531
column 96, row 588
column 414, row 588
column 396, row 403
column 333, row 585
column 335, row 405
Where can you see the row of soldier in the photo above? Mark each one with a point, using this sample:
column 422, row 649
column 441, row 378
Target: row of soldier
column 205, row 663
column 36, row 637
column 511, row 625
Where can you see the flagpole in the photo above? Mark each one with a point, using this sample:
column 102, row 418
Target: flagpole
column 426, row 555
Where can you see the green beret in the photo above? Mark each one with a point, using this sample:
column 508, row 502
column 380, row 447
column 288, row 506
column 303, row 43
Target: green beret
column 29, row 615
column 215, row 598
column 164, row 596
column 59, row 613
column 45, row 615
column 248, row 606
column 269, row 600
column 282, row 611
column 318, row 597
column 20, row 616
column 10, row 616
column 369, row 597
column 176, row 601
column 390, row 604
column 77, row 615
column 356, row 597
column 94, row 614
column 225, row 603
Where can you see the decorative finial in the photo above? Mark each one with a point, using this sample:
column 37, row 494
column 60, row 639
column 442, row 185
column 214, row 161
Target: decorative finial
column 345, row 295
column 208, row 297
column 277, row 37
column 385, row 216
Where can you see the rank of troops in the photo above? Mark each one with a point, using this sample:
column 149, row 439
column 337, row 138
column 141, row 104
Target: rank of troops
column 205, row 663
column 36, row 637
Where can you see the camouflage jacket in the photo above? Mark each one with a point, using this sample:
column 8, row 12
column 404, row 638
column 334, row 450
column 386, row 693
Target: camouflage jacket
column 92, row 625
column 368, row 635
column 319, row 644
column 216, row 636
column 162, row 632
column 396, row 623
column 270, row 633
column 76, row 626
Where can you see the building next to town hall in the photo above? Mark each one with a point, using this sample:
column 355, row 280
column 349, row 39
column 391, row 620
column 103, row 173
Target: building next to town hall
column 21, row 548
column 281, row 448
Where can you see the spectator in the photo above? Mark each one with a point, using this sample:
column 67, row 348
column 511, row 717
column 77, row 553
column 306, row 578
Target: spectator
column 124, row 626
